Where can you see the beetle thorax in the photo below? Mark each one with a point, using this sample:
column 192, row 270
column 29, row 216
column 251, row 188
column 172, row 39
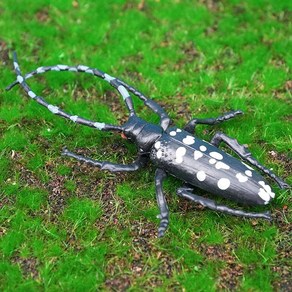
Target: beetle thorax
column 143, row 134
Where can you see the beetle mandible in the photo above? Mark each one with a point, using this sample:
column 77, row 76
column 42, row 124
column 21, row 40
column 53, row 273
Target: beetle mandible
column 174, row 151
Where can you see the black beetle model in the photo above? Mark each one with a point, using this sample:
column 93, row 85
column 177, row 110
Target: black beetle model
column 174, row 151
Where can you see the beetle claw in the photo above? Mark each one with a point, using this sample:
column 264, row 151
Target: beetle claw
column 65, row 151
column 160, row 233
column 284, row 185
column 161, row 230
column 267, row 215
column 163, row 225
column 239, row 112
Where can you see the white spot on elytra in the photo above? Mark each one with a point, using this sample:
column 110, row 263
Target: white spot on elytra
column 223, row 183
column 197, row 154
column 189, row 140
column 241, row 177
column 221, row 165
column 159, row 153
column 73, row 69
column 179, row 154
column 178, row 130
column 216, row 155
column 267, row 188
column 212, row 161
column 172, row 133
column 264, row 195
column 248, row 173
column 74, row 118
column 203, row 148
column 157, row 145
column 249, row 167
column 201, row 175
column 52, row 108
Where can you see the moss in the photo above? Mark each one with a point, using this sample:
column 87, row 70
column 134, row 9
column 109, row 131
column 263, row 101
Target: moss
column 68, row 226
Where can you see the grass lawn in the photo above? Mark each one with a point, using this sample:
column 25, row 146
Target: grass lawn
column 71, row 227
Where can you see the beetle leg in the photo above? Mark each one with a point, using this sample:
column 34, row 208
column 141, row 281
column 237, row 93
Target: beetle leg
column 185, row 193
column 160, row 175
column 191, row 125
column 243, row 152
column 106, row 165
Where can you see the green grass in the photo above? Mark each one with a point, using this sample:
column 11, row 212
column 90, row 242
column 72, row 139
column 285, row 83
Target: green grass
column 69, row 226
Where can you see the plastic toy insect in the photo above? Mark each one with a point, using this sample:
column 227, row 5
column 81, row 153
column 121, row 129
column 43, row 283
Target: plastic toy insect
column 199, row 164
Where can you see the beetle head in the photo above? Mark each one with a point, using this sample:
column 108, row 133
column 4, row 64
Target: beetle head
column 140, row 132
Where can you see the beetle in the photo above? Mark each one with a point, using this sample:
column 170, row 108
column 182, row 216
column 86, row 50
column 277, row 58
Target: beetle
column 174, row 151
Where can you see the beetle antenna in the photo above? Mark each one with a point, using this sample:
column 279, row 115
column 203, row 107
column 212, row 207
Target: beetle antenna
column 54, row 109
column 84, row 69
column 118, row 84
